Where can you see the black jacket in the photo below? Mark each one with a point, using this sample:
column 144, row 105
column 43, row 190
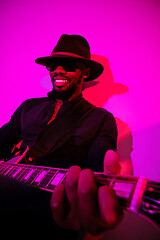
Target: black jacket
column 85, row 147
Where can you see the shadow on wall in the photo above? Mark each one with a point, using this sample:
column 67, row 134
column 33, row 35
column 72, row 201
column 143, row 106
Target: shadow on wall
column 98, row 92
column 124, row 147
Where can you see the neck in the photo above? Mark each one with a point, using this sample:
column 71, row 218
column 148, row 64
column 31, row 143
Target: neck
column 73, row 97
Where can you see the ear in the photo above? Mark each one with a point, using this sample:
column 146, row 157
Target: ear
column 86, row 73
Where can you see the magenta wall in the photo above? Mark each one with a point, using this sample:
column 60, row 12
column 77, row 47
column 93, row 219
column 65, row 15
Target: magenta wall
column 123, row 35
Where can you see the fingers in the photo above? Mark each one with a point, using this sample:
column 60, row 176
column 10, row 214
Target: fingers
column 59, row 204
column 80, row 205
column 64, row 201
column 88, row 203
column 71, row 184
column 110, row 209
column 99, row 208
column 87, row 195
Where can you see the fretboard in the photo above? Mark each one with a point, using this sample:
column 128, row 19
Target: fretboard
column 130, row 190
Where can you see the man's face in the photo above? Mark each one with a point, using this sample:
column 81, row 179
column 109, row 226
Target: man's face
column 67, row 77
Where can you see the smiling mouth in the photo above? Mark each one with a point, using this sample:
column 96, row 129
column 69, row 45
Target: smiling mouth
column 60, row 82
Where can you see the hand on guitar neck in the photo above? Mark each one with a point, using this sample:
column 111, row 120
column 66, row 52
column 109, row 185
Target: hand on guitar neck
column 78, row 204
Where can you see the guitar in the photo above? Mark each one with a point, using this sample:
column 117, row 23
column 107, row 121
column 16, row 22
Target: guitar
column 136, row 194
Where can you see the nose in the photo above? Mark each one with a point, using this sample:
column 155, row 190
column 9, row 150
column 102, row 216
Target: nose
column 59, row 70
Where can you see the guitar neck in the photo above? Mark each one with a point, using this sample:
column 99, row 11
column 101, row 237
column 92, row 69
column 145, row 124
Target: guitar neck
column 135, row 193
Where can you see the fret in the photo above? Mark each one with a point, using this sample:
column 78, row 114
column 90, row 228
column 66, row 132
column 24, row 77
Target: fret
column 16, row 172
column 57, row 178
column 123, row 189
column 29, row 174
column 7, row 171
column 112, row 182
column 104, row 178
column 21, row 175
column 46, row 180
column 13, row 170
column 3, row 169
column 123, row 185
column 39, row 178
column 32, row 175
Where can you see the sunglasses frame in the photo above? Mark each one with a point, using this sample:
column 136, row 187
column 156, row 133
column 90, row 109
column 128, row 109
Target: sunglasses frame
column 69, row 65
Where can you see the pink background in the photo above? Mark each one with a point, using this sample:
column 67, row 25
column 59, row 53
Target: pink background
column 124, row 35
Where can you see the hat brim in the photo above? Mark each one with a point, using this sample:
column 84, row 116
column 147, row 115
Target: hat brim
column 95, row 67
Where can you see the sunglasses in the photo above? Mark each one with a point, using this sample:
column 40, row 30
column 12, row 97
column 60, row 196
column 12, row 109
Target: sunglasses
column 68, row 65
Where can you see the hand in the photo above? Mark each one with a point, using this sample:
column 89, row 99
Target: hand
column 77, row 204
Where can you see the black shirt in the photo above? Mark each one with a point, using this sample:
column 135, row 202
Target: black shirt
column 86, row 146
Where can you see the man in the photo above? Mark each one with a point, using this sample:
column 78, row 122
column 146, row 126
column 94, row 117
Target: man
column 64, row 130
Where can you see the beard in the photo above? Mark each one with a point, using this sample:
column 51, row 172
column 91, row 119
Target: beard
column 64, row 95
column 67, row 94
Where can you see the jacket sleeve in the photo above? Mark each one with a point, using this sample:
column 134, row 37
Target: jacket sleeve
column 105, row 140
column 10, row 133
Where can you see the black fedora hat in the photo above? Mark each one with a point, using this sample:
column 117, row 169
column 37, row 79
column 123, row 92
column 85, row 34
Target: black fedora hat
column 73, row 47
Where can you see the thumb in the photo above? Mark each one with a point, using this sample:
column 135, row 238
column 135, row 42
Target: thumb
column 111, row 162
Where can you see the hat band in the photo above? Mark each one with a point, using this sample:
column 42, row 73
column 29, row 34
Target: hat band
column 67, row 54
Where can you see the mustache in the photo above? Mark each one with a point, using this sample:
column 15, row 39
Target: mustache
column 60, row 75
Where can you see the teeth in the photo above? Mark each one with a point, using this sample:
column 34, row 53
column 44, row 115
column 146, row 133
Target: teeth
column 61, row 80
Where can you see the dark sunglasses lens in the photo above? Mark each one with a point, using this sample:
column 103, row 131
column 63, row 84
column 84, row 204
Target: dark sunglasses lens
column 52, row 67
column 69, row 66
